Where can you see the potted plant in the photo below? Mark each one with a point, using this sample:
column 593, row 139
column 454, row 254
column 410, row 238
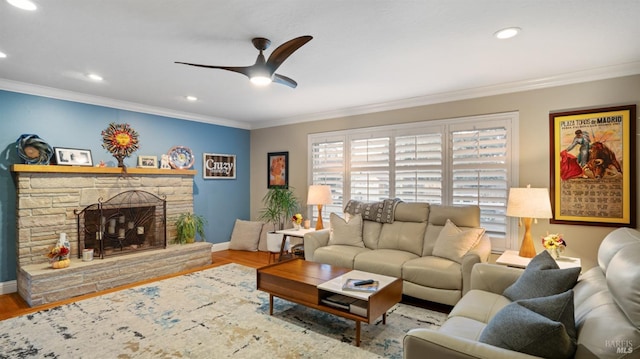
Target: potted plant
column 187, row 226
column 279, row 206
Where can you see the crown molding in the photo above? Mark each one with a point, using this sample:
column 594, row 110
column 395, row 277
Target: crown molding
column 628, row 69
column 59, row 94
column 602, row 73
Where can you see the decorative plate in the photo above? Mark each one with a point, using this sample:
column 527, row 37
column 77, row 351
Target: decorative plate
column 33, row 150
column 181, row 157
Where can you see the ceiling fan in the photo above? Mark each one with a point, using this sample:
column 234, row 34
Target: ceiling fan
column 263, row 72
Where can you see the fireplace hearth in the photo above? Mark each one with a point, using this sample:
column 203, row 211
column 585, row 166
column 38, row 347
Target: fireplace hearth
column 129, row 222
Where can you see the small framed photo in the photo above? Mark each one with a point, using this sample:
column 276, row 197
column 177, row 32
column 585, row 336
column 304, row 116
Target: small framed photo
column 277, row 169
column 218, row 166
column 147, row 161
column 72, row 157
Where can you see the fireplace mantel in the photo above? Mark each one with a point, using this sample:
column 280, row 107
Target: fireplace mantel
column 98, row 170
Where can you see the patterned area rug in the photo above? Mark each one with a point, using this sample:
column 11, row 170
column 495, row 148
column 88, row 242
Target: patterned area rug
column 214, row 313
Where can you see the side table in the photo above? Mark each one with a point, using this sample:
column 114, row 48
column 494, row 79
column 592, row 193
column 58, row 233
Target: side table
column 512, row 259
column 298, row 233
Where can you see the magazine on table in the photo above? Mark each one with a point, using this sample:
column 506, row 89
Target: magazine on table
column 338, row 301
column 361, row 285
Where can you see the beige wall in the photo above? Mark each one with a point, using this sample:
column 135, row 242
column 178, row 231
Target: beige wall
column 534, row 107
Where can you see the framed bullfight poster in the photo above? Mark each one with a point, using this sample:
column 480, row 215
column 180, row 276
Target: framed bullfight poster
column 593, row 178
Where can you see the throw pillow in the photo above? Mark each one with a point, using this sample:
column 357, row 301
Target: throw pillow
column 245, row 235
column 542, row 278
column 346, row 232
column 543, row 327
column 453, row 243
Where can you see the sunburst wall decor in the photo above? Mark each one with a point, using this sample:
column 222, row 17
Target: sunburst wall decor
column 120, row 140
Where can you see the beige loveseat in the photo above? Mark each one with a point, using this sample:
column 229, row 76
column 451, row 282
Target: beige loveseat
column 404, row 249
column 605, row 310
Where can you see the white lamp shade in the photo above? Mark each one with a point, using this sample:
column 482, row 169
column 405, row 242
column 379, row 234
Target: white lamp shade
column 319, row 194
column 529, row 203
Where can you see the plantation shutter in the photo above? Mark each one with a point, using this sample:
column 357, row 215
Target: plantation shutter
column 370, row 169
column 327, row 167
column 479, row 173
column 419, row 168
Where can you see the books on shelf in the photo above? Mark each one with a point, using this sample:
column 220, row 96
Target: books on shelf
column 353, row 305
column 350, row 284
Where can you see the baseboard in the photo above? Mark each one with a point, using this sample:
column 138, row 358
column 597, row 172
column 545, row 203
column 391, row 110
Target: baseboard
column 216, row 247
column 9, row 287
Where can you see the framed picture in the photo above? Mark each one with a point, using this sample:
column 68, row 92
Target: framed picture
column 593, row 175
column 72, row 157
column 278, row 169
column 218, row 166
column 148, row 161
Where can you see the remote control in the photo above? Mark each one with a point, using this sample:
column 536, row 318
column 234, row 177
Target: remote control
column 363, row 282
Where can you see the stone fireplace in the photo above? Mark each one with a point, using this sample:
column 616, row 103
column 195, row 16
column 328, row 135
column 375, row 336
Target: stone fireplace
column 49, row 200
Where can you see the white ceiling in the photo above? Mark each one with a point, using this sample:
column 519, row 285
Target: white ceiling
column 365, row 56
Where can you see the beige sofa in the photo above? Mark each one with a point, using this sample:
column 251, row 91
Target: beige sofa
column 404, row 249
column 606, row 310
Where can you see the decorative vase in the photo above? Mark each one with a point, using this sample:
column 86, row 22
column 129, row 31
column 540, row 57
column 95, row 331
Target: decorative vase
column 555, row 253
column 296, row 226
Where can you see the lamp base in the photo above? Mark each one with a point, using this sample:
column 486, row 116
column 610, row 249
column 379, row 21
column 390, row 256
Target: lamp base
column 527, row 249
column 319, row 224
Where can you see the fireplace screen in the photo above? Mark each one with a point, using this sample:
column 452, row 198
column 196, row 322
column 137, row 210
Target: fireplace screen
column 128, row 222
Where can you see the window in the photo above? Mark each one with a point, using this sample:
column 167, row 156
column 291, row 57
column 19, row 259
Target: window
column 460, row 161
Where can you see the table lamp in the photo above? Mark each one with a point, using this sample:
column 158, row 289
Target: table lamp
column 527, row 204
column 319, row 195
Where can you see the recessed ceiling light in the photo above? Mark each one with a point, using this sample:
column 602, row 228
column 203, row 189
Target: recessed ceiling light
column 2, row 55
column 23, row 4
column 507, row 33
column 95, row 77
column 191, row 98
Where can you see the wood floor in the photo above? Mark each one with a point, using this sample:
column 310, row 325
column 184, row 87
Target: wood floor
column 12, row 305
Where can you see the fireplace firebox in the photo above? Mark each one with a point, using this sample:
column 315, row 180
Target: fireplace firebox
column 129, row 222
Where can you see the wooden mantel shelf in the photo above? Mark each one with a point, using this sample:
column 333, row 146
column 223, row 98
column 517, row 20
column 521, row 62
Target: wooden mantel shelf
column 98, row 170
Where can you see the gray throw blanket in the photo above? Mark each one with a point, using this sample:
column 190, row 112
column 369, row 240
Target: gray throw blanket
column 382, row 212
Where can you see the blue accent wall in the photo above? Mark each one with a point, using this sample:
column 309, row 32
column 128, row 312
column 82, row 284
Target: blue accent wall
column 76, row 125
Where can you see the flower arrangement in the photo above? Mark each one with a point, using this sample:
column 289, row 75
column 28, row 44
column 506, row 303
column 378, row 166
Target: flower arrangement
column 554, row 243
column 59, row 256
column 297, row 218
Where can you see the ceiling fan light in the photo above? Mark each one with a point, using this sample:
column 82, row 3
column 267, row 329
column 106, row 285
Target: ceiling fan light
column 507, row 33
column 23, row 4
column 260, row 80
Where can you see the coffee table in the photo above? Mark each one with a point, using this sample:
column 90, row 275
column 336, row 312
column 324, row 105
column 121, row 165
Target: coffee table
column 307, row 283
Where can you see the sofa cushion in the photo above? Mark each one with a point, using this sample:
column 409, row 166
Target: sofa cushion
column 412, row 212
column 542, row 327
column 338, row 255
column 245, row 235
column 453, row 243
column 542, row 278
column 463, row 216
column 346, row 233
column 433, row 272
column 479, row 305
column 404, row 236
column 383, row 261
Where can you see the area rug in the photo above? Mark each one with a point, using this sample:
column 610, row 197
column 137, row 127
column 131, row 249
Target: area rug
column 214, row 313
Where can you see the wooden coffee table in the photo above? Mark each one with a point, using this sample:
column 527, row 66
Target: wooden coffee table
column 307, row 283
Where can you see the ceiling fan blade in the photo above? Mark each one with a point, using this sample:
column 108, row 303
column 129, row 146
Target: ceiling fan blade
column 245, row 70
column 284, row 80
column 285, row 50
